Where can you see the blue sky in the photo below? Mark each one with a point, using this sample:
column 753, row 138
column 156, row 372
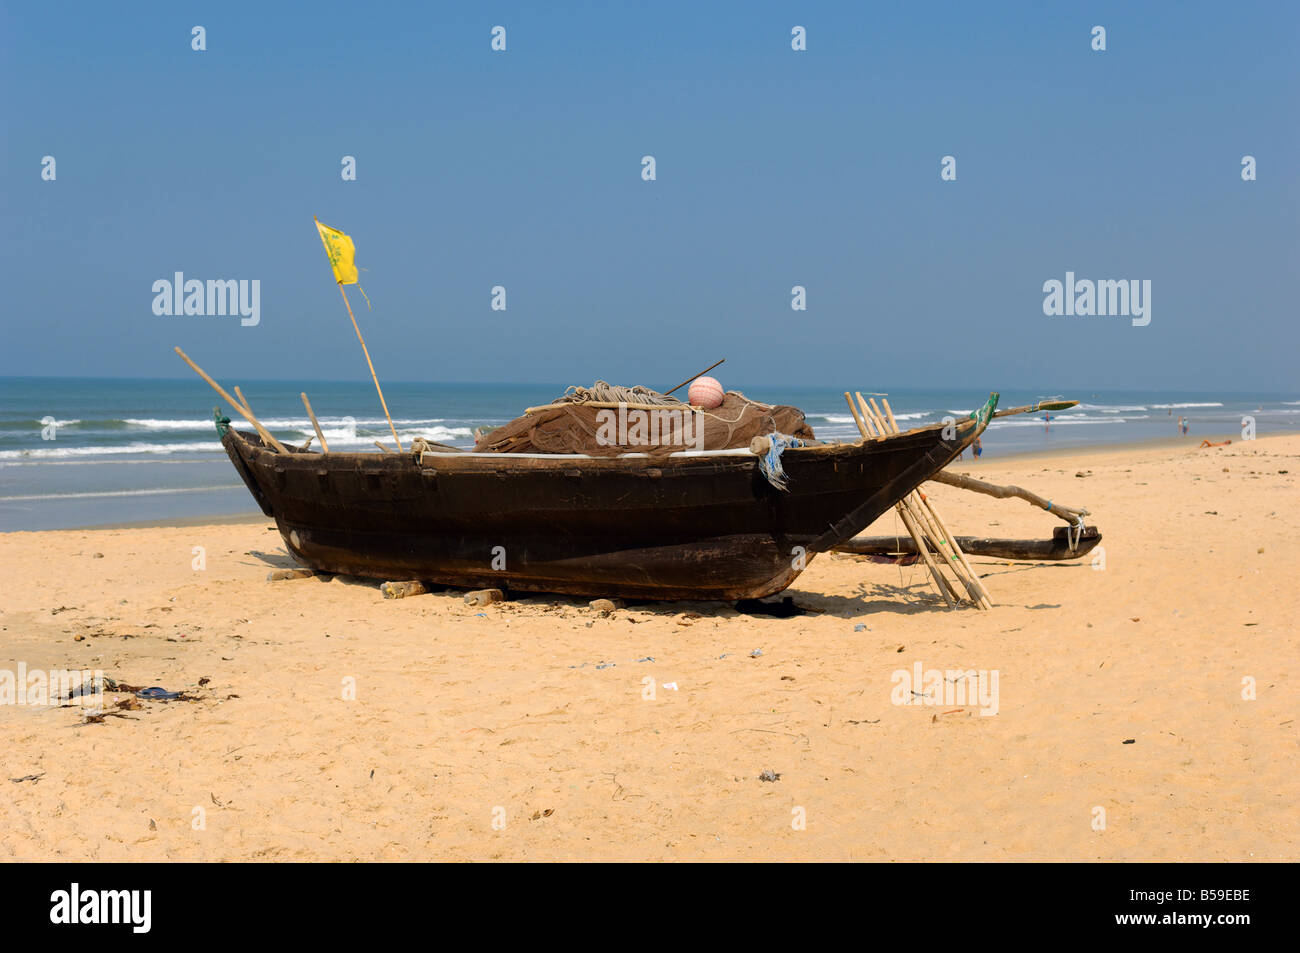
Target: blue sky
column 775, row 168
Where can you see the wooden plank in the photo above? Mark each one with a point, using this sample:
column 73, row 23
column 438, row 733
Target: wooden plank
column 279, row 575
column 483, row 597
column 1055, row 549
column 400, row 590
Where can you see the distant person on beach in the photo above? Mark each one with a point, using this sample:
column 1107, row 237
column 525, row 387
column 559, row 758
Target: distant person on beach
column 1047, row 421
column 977, row 449
column 1185, row 426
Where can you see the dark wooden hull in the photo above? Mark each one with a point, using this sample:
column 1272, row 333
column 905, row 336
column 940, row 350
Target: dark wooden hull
column 685, row 527
column 903, row 549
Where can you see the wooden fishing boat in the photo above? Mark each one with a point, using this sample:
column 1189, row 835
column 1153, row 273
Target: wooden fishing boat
column 692, row 525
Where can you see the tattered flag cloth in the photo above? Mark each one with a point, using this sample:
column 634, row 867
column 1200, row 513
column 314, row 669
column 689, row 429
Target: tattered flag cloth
column 341, row 252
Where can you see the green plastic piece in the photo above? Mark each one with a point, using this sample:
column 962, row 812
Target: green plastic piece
column 985, row 413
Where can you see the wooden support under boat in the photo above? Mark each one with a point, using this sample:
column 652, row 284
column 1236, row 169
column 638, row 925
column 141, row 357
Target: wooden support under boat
column 1056, row 549
column 400, row 590
column 279, row 575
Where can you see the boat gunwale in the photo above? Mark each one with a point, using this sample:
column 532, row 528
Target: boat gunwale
column 471, row 461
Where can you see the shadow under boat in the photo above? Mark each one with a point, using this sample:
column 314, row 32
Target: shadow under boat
column 704, row 525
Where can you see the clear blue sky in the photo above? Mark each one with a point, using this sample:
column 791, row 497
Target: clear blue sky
column 775, row 168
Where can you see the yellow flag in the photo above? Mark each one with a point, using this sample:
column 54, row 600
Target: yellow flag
column 341, row 252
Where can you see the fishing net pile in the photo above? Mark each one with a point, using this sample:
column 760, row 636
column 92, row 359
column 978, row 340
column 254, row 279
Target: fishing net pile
column 606, row 420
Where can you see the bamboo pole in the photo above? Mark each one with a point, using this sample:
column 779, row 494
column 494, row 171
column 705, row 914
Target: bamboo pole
column 325, row 448
column 940, row 582
column 961, row 555
column 943, row 527
column 879, row 415
column 866, row 412
column 237, row 405
column 266, row 434
column 856, row 418
column 248, row 406
column 365, row 350
column 946, row 588
column 944, row 545
column 889, row 412
column 689, row 379
column 961, row 566
column 914, row 502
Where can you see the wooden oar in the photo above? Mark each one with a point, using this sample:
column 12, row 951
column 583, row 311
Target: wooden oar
column 244, row 412
column 1035, row 408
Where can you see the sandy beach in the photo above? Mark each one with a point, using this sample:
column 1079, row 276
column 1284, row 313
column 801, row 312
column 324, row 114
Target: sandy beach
column 523, row 730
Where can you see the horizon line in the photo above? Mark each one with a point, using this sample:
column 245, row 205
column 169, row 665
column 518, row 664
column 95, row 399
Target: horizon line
column 479, row 383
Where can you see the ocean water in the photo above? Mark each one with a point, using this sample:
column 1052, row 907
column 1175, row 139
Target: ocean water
column 85, row 452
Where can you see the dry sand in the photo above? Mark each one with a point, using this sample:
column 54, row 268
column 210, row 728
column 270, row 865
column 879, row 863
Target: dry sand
column 463, row 716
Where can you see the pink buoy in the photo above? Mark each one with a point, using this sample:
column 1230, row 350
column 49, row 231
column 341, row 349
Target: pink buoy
column 705, row 392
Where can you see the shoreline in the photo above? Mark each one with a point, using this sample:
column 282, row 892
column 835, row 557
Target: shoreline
column 966, row 464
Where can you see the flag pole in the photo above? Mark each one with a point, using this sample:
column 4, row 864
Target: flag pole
column 350, row 268
column 365, row 350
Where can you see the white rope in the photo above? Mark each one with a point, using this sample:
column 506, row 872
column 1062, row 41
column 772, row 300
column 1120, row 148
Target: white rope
column 603, row 392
